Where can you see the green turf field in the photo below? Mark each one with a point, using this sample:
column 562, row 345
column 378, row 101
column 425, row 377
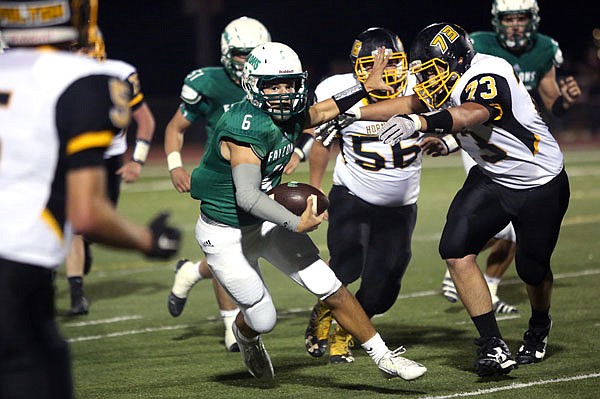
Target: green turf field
column 130, row 347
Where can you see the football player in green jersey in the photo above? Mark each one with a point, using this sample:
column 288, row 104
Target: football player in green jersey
column 207, row 93
column 534, row 57
column 239, row 223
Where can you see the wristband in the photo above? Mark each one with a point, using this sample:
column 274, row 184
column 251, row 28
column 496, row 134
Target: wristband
column 438, row 122
column 451, row 143
column 347, row 98
column 174, row 160
column 298, row 151
column 140, row 152
column 558, row 108
column 303, row 144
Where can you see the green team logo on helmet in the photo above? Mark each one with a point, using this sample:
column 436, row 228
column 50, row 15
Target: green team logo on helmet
column 253, row 61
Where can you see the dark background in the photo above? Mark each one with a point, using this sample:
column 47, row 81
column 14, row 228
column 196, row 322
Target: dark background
column 167, row 39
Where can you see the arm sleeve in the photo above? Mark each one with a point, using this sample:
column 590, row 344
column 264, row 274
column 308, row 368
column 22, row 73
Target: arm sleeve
column 250, row 198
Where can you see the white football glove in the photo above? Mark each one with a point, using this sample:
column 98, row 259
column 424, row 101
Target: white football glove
column 326, row 132
column 399, row 127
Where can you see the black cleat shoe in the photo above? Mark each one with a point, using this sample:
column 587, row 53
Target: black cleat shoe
column 79, row 306
column 176, row 305
column 493, row 357
column 533, row 348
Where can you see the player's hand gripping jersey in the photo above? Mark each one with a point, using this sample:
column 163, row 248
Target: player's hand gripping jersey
column 58, row 111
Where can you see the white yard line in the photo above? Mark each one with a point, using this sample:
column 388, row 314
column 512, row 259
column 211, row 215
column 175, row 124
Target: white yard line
column 104, row 321
column 128, row 332
column 515, row 386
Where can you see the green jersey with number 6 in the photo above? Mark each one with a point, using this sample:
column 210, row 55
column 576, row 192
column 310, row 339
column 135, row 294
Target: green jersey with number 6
column 208, row 92
column 273, row 144
column 532, row 64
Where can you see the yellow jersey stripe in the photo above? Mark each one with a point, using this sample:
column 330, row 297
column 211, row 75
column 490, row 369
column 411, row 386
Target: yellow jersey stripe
column 51, row 221
column 136, row 100
column 89, row 140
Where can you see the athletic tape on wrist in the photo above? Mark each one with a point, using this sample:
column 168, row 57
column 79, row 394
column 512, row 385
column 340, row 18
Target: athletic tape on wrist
column 174, row 160
column 140, row 152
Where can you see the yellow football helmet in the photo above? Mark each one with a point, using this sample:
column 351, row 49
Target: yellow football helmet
column 440, row 54
column 55, row 22
column 362, row 57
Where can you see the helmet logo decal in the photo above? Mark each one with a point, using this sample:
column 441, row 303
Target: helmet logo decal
column 252, row 60
column 446, row 32
column 356, row 48
column 48, row 13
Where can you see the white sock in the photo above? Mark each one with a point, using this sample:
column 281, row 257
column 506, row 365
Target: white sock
column 492, row 283
column 187, row 276
column 376, row 348
column 196, row 271
column 228, row 317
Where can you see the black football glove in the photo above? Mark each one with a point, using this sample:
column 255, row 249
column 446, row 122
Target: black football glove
column 166, row 240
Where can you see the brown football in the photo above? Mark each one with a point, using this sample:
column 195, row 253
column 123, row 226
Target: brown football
column 293, row 196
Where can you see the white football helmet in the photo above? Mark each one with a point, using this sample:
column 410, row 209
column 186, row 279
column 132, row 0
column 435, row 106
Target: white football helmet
column 239, row 37
column 501, row 8
column 269, row 62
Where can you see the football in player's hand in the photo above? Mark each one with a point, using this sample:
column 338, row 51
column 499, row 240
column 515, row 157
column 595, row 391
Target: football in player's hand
column 293, row 196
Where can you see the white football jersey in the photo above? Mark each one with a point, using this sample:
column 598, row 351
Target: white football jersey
column 129, row 74
column 57, row 112
column 515, row 147
column 378, row 173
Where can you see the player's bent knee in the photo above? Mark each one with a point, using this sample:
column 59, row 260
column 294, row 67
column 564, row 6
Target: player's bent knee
column 532, row 273
column 319, row 279
column 262, row 316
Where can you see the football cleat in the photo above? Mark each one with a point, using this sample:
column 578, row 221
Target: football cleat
column 317, row 331
column 493, row 357
column 185, row 279
column 533, row 348
column 230, row 342
column 393, row 365
column 79, row 305
column 255, row 356
column 448, row 288
column 340, row 343
column 501, row 307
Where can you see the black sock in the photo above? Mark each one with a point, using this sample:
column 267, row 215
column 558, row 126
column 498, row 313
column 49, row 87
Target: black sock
column 76, row 285
column 486, row 325
column 539, row 318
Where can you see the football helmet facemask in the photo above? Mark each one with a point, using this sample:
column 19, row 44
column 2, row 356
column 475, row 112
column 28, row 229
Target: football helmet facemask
column 272, row 63
column 441, row 53
column 94, row 47
column 502, row 8
column 240, row 37
column 55, row 22
column 362, row 56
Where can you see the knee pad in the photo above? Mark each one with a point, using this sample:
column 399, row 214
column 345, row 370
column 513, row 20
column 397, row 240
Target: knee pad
column 261, row 317
column 319, row 279
column 531, row 272
column 378, row 299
